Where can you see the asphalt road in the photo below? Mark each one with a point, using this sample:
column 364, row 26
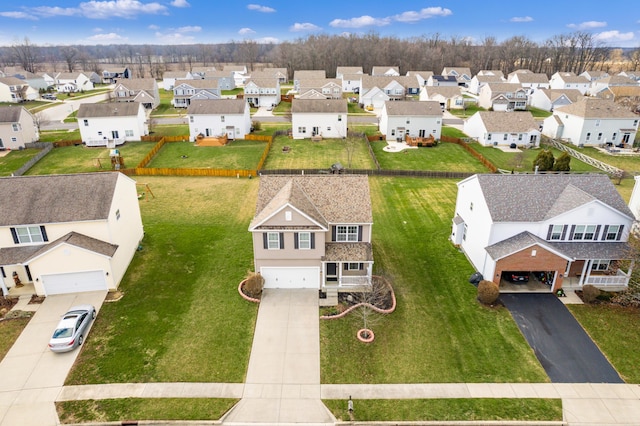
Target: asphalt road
column 564, row 349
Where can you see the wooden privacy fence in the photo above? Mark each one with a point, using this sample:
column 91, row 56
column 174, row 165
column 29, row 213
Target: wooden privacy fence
column 265, row 153
column 151, row 153
column 154, row 138
column 488, row 164
column 263, row 138
column 166, row 171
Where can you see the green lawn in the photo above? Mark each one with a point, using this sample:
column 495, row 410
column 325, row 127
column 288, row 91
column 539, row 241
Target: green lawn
column 453, row 132
column 165, row 107
column 305, row 154
column 354, row 108
column 539, row 113
column 283, row 108
column 13, row 160
column 438, row 333
column 233, row 92
column 629, row 163
column 615, row 330
column 59, row 135
column 80, row 159
column 237, row 155
column 29, row 105
column 9, row 332
column 443, row 157
column 470, row 109
column 181, row 318
column 170, row 130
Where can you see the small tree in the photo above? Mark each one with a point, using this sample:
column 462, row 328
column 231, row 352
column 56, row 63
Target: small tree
column 562, row 163
column 544, row 161
column 377, row 294
column 254, row 284
column 488, row 292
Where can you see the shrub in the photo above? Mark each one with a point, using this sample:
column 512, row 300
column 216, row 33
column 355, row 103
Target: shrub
column 488, row 292
column 562, row 163
column 256, row 125
column 590, row 293
column 253, row 284
column 544, row 161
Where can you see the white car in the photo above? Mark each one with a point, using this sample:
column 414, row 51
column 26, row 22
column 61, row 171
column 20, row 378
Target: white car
column 72, row 328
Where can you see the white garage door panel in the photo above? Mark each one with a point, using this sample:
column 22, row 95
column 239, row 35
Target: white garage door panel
column 74, row 282
column 291, row 277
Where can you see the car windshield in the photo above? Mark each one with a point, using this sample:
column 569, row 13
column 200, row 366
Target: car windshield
column 61, row 333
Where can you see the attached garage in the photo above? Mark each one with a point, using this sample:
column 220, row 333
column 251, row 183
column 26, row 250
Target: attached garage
column 303, row 277
column 74, row 282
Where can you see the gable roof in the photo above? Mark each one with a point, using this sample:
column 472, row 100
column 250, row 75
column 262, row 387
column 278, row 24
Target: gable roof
column 381, row 70
column 119, row 109
column 496, row 88
column 326, row 198
column 596, row 108
column 413, row 108
column 136, row 84
column 12, row 81
column 520, row 242
column 553, row 94
column 619, row 80
column 504, row 121
column 530, row 78
column 199, row 83
column 539, row 197
column 445, row 91
column 270, row 82
column 217, row 106
column 319, row 106
column 569, row 77
column 300, row 74
column 56, row 198
column 348, row 70
column 10, row 114
column 444, row 78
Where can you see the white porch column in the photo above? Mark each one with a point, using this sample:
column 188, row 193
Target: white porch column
column 585, row 269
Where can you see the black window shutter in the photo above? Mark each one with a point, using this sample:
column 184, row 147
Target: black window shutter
column 564, row 231
column 619, row 232
column 604, row 232
column 281, row 240
column 345, row 266
column 573, row 228
column 265, row 241
column 549, row 232
column 595, row 235
column 28, row 271
column 14, row 234
column 361, row 266
column 360, row 233
column 313, row 240
column 295, row 240
column 2, row 272
column 333, row 233
column 44, row 234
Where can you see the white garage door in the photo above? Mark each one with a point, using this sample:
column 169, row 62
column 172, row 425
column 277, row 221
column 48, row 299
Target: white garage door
column 74, row 282
column 291, row 277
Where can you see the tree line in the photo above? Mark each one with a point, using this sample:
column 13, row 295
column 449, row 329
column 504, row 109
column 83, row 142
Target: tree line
column 576, row 52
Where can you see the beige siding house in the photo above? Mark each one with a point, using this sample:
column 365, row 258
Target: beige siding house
column 17, row 127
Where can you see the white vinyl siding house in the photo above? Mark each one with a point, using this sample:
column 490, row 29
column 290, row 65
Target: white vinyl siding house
column 326, row 118
column 492, row 128
column 112, row 124
column 213, row 118
column 17, row 127
column 417, row 119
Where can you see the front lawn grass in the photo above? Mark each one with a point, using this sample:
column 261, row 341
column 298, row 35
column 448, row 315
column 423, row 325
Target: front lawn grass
column 236, row 155
column 81, row 159
column 305, row 154
column 441, row 410
column 438, row 333
column 15, row 159
column 445, row 156
column 615, row 330
column 9, row 332
column 283, row 108
column 59, row 135
column 181, row 318
column 117, row 410
column 468, row 111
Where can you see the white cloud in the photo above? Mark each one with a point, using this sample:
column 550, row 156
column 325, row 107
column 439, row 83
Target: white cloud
column 18, row 15
column 245, row 31
column 426, row 13
column 153, row 27
column 174, row 38
column 189, row 29
column 107, row 38
column 359, row 22
column 260, row 8
column 305, row 26
column 521, row 19
column 268, row 40
column 95, row 9
column 48, row 12
column 614, row 36
column 97, row 30
column 180, row 3
column 587, row 25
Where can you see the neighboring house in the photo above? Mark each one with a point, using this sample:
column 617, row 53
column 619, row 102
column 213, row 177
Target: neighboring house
column 93, row 77
column 634, row 201
column 68, row 233
column 313, row 231
column 351, row 83
column 72, row 82
column 411, row 118
column 442, row 80
column 113, row 74
column 260, row 92
column 480, row 80
column 611, row 81
column 330, row 88
column 421, row 76
column 187, row 91
column 342, row 71
column 412, row 83
column 447, row 97
column 143, row 90
column 17, row 127
column 49, row 78
column 239, row 73
column 326, row 118
column 592, row 121
column 493, row 128
column 594, row 75
column 549, row 99
column 299, row 75
column 573, row 228
column 225, row 80
column 112, row 124
column 373, row 98
column 280, row 73
column 35, row 81
column 394, row 89
column 622, row 95
column 169, row 78
column 385, row 71
column 462, row 74
column 530, row 80
column 568, row 80
column 496, row 73
column 198, row 73
column 219, row 117
column 503, row 97
column 13, row 90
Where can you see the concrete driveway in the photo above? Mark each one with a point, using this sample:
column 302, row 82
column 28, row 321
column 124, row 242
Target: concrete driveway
column 564, row 349
column 32, row 375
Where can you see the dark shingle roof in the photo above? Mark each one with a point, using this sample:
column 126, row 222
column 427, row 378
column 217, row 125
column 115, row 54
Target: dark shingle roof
column 413, row 108
column 217, row 106
column 596, row 108
column 32, row 200
column 120, row 109
column 10, row 114
column 319, row 106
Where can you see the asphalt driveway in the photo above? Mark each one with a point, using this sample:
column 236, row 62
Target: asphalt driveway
column 564, row 349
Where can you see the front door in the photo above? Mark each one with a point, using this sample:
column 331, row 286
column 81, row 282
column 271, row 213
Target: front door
column 332, row 272
column 231, row 132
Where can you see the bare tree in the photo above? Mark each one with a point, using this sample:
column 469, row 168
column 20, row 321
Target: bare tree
column 25, row 54
column 70, row 56
column 376, row 295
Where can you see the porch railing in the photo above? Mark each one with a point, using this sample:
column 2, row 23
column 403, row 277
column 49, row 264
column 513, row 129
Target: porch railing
column 354, row 280
column 619, row 279
column 105, row 142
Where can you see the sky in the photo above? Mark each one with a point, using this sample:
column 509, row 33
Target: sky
column 616, row 23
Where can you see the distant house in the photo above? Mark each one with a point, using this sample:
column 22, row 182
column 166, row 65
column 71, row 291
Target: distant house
column 480, row 80
column 239, row 73
column 342, row 71
column 593, row 75
column 313, row 232
column 261, row 92
column 530, row 80
column 219, row 117
column 13, row 90
column 280, row 73
column 447, row 97
column 410, row 118
column 503, row 97
column 68, row 233
column 169, row 78
column 143, row 90
column 462, row 74
column 17, row 127
column 592, row 121
column 326, row 118
column 385, row 71
column 330, row 88
column 394, row 88
column 549, row 99
column 574, row 235
column 112, row 124
column 225, row 81
column 493, row 128
column 421, row 76
column 568, row 80
column 72, row 82
column 351, row 83
column 111, row 75
column 187, row 91
column 612, row 81
column 442, row 80
column 299, row 75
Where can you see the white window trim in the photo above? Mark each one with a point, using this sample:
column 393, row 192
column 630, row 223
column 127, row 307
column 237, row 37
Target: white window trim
column 29, row 234
column 346, row 233
column 273, row 243
column 304, row 244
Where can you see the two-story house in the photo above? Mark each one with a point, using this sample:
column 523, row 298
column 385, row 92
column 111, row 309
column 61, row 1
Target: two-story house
column 503, row 97
column 299, row 75
column 113, row 74
column 480, row 80
column 261, row 92
column 68, row 233
column 411, row 118
column 326, row 118
column 143, row 90
column 187, row 91
column 329, row 88
column 550, row 99
column 375, row 91
column 565, row 230
column 385, row 71
column 169, row 78
column 448, row 97
column 529, row 80
column 112, row 124
column 462, row 74
column 568, row 80
column 604, row 83
column 500, row 128
column 17, row 127
column 219, row 117
column 72, row 82
column 313, row 231
column 13, row 90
